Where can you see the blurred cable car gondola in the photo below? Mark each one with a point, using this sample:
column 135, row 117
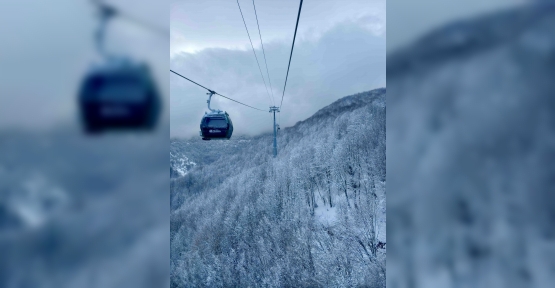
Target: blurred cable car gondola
column 216, row 124
column 119, row 93
column 119, row 96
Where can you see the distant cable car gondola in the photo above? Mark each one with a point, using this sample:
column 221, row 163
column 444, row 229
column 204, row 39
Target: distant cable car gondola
column 117, row 94
column 215, row 124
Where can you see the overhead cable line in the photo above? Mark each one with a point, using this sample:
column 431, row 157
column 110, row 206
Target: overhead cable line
column 292, row 46
column 212, row 91
column 254, row 51
column 263, row 52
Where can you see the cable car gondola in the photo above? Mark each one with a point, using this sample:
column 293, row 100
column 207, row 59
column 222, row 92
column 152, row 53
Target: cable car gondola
column 216, row 124
column 119, row 93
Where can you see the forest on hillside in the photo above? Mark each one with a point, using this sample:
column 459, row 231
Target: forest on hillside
column 312, row 217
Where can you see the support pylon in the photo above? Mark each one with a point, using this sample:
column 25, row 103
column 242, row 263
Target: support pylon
column 275, row 109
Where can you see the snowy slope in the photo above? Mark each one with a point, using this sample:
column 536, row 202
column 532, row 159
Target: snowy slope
column 313, row 216
column 190, row 153
column 470, row 154
column 180, row 164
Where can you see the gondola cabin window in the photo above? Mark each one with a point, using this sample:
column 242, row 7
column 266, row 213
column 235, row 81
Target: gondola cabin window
column 124, row 90
column 216, row 123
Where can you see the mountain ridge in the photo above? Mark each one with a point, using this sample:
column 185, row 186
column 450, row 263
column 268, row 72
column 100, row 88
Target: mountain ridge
column 465, row 37
column 333, row 110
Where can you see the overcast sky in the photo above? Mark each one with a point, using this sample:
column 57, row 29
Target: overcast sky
column 339, row 51
column 47, row 45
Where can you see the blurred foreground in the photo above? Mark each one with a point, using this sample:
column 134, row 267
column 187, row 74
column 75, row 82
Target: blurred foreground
column 82, row 212
column 78, row 211
column 470, row 151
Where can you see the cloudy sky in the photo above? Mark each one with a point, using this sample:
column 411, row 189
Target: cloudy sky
column 339, row 51
column 47, row 46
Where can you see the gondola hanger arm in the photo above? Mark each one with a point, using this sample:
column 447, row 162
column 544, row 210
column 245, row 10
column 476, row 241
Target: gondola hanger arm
column 210, row 94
